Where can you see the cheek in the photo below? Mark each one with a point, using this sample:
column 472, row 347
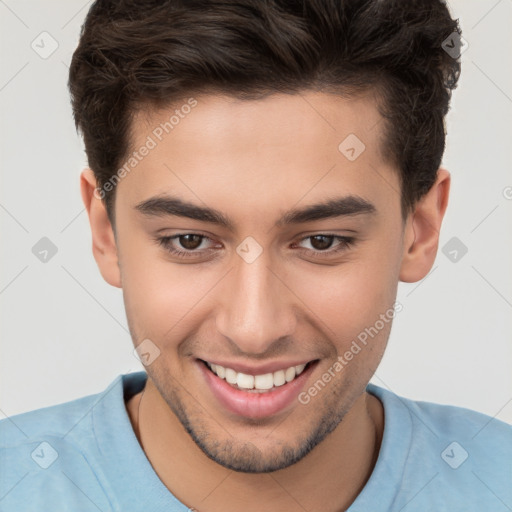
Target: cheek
column 157, row 293
column 349, row 299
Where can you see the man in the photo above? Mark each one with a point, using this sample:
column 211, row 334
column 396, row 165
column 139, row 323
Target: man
column 262, row 175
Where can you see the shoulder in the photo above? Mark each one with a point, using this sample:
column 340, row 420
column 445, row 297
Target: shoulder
column 56, row 420
column 483, row 432
column 49, row 453
column 450, row 455
column 67, row 420
column 439, row 420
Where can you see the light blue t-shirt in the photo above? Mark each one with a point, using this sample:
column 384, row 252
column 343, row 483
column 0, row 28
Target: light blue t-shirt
column 83, row 455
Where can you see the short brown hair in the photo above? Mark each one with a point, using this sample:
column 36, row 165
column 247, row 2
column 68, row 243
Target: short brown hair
column 133, row 54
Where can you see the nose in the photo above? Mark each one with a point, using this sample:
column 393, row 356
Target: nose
column 257, row 306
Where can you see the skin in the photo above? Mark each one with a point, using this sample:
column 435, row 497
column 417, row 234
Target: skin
column 253, row 160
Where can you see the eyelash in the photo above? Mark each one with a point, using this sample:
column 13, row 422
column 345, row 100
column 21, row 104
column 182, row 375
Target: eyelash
column 345, row 243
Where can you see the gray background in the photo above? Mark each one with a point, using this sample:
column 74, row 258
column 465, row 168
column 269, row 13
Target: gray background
column 63, row 329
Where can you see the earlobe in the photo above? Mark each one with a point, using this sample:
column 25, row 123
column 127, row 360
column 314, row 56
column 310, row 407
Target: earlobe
column 421, row 234
column 104, row 246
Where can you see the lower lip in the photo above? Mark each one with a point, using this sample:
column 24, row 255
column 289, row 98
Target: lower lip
column 251, row 404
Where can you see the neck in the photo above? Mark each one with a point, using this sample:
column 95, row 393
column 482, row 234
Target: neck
column 333, row 473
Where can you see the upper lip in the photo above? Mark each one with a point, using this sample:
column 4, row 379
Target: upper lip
column 270, row 367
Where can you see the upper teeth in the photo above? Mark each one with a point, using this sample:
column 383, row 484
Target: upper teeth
column 261, row 382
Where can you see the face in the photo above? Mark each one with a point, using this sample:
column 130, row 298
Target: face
column 259, row 274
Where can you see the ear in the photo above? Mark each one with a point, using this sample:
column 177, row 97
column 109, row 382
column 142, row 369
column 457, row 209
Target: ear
column 421, row 235
column 104, row 246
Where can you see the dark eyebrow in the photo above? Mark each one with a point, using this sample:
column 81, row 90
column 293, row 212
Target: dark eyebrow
column 341, row 206
column 163, row 205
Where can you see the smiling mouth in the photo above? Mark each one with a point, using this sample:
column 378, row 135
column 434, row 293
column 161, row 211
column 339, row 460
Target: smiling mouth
column 263, row 383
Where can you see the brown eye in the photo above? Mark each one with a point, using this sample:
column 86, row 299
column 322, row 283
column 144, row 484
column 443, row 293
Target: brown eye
column 321, row 245
column 321, row 242
column 185, row 245
column 190, row 241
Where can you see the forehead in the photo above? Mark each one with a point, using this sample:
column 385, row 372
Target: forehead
column 217, row 121
column 255, row 153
